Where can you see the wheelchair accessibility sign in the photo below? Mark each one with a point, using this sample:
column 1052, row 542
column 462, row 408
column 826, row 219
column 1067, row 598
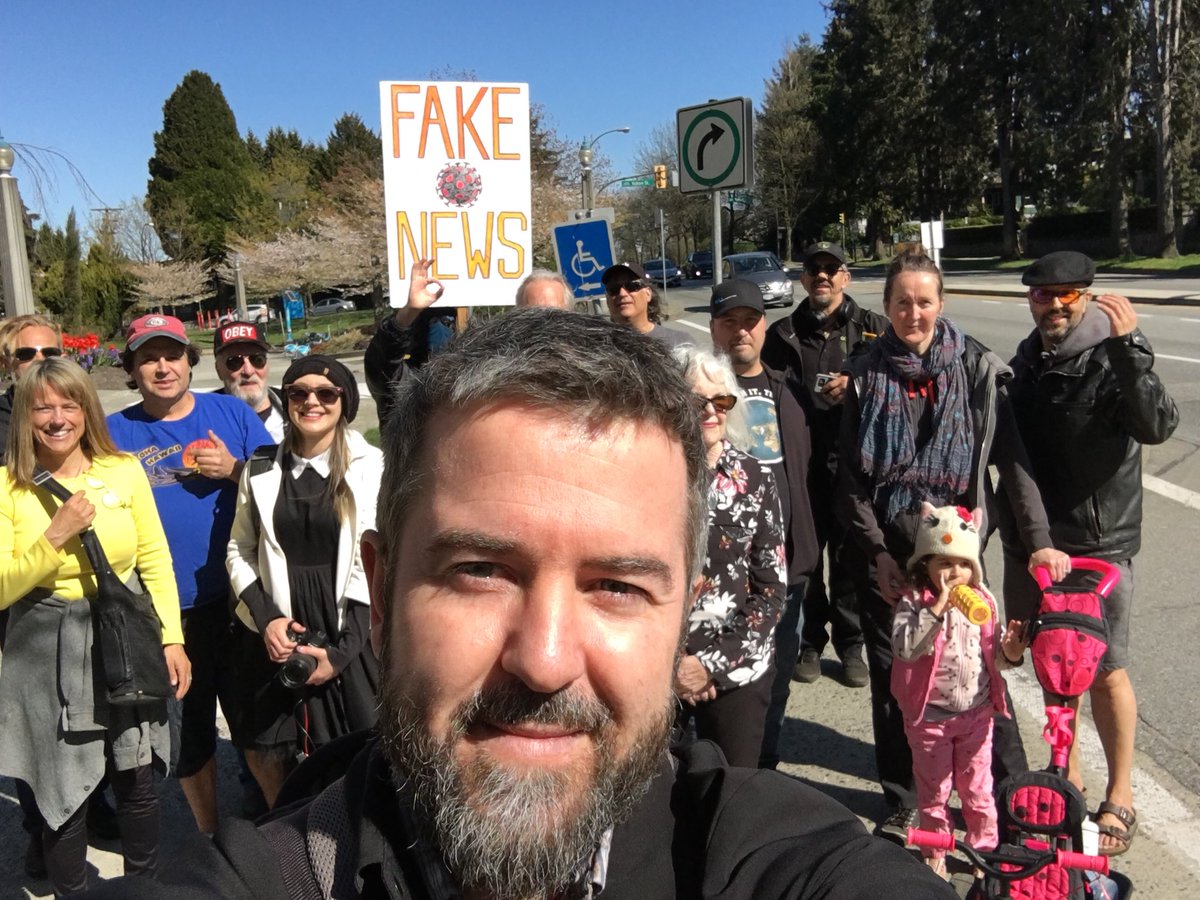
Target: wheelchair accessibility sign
column 583, row 251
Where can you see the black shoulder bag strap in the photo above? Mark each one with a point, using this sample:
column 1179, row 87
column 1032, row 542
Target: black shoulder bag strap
column 128, row 629
column 91, row 544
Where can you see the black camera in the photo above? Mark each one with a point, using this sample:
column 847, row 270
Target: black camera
column 296, row 670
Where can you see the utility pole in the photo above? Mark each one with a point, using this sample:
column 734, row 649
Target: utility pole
column 14, row 261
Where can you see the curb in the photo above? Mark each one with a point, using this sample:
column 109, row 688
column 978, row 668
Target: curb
column 1160, row 298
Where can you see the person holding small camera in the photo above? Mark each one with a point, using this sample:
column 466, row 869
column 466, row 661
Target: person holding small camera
column 306, row 665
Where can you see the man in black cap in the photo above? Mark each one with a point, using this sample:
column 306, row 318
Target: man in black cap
column 1086, row 398
column 240, row 355
column 775, row 415
column 634, row 301
column 811, row 345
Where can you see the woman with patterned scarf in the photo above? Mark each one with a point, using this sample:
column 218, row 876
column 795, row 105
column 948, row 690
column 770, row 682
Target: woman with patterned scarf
column 926, row 413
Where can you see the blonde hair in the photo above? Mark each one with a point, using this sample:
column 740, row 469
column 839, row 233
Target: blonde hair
column 67, row 379
column 10, row 332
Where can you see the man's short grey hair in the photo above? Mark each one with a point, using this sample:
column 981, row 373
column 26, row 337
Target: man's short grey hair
column 547, row 275
column 716, row 367
column 582, row 366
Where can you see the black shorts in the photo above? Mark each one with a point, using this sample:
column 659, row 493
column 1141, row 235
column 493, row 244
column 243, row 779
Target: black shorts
column 208, row 641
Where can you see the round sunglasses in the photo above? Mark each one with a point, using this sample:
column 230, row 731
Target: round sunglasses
column 326, row 396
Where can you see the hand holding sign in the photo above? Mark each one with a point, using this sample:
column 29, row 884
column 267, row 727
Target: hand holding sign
column 423, row 292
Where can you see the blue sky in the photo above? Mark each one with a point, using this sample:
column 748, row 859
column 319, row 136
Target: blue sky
column 89, row 80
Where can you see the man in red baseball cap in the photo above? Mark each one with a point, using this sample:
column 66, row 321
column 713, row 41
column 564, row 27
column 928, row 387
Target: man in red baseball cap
column 240, row 355
column 192, row 446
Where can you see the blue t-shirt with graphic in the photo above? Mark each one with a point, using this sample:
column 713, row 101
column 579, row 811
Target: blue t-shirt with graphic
column 196, row 512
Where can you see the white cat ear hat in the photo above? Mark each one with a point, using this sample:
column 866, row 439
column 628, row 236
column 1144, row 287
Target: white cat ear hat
column 948, row 531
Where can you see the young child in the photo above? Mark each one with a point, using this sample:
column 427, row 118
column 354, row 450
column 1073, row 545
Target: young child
column 946, row 676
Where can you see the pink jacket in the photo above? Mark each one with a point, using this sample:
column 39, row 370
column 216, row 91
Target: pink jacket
column 912, row 681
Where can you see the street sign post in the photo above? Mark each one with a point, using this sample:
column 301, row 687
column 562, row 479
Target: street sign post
column 583, row 251
column 716, row 145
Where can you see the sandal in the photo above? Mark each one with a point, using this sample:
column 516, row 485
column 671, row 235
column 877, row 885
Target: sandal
column 1123, row 836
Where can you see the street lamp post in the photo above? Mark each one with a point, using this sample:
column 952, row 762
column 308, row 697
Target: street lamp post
column 585, row 164
column 14, row 262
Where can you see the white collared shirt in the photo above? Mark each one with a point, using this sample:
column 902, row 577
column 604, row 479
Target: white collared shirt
column 319, row 463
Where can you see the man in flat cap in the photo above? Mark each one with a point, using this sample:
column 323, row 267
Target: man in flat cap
column 1086, row 398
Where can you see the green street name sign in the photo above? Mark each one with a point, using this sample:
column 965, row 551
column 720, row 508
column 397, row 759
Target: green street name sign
column 641, row 181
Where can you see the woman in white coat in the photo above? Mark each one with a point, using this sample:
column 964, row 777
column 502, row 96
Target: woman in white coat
column 304, row 652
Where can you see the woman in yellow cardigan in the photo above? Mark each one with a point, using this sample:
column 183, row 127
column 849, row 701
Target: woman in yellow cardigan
column 56, row 733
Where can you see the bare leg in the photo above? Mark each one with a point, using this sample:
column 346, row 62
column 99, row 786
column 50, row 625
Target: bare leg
column 269, row 770
column 201, row 792
column 1114, row 710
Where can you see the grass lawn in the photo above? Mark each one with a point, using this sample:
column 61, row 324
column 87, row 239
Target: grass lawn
column 275, row 334
column 372, row 436
column 1185, row 266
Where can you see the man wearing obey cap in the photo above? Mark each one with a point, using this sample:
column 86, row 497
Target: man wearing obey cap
column 1086, row 398
column 780, row 432
column 240, row 355
column 192, row 446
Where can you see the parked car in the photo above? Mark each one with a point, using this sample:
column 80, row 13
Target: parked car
column 658, row 269
column 327, row 306
column 763, row 268
column 258, row 313
column 699, row 265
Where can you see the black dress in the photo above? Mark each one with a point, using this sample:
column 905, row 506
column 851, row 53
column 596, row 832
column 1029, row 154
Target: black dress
column 307, row 530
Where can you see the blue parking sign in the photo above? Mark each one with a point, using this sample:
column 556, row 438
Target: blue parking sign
column 584, row 250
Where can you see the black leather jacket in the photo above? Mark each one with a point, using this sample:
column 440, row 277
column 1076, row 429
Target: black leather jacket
column 1083, row 417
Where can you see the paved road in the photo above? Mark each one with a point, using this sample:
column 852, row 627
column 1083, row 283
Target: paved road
column 827, row 739
column 1166, row 669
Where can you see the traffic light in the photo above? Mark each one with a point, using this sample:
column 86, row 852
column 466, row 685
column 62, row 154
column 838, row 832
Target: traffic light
column 841, row 218
column 660, row 176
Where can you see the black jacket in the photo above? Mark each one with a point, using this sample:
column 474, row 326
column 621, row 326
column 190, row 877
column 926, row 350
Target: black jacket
column 804, row 347
column 1084, row 412
column 393, row 349
column 795, row 437
column 703, row 829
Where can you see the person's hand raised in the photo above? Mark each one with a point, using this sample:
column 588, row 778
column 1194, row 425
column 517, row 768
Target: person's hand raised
column 1121, row 315
column 423, row 292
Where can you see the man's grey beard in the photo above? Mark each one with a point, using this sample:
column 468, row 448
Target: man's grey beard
column 254, row 395
column 515, row 835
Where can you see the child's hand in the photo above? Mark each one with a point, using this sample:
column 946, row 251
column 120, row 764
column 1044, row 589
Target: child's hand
column 943, row 600
column 1014, row 642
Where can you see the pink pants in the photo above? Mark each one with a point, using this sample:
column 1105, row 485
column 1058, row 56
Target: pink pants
column 955, row 753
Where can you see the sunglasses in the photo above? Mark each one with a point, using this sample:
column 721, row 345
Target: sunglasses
column 233, row 363
column 25, row 354
column 629, row 286
column 326, row 396
column 721, row 403
column 816, row 268
column 1042, row 295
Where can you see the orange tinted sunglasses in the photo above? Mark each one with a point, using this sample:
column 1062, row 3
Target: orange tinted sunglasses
column 1042, row 295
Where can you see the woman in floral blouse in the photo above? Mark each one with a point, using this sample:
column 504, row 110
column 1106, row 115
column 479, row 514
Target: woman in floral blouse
column 724, row 680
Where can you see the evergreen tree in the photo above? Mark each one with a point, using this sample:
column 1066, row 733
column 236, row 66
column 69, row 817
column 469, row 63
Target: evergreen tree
column 786, row 143
column 73, row 309
column 201, row 190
